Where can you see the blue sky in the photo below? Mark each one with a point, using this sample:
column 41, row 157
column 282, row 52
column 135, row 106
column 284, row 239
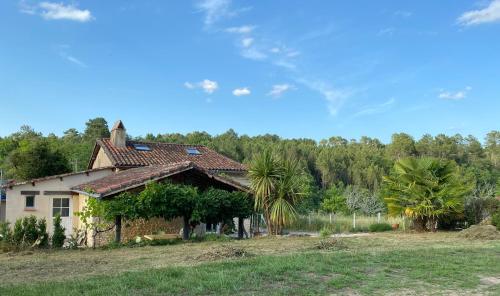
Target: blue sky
column 347, row 68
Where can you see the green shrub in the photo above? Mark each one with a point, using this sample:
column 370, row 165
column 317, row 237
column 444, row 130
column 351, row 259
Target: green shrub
column 42, row 232
column 5, row 232
column 495, row 219
column 28, row 232
column 58, row 237
column 325, row 232
column 380, row 227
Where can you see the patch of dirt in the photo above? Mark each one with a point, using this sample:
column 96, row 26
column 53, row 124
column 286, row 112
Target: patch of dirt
column 330, row 244
column 480, row 232
column 223, row 252
column 490, row 281
column 321, row 277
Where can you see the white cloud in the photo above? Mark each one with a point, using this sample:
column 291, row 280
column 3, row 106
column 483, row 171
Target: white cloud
column 246, row 42
column 241, row 30
column 215, row 10
column 334, row 97
column 293, row 53
column 275, row 50
column 253, row 53
column 386, row 32
column 381, row 108
column 207, row 85
column 71, row 58
column 241, row 91
column 488, row 14
column 56, row 11
column 189, row 85
column 457, row 95
column 279, row 89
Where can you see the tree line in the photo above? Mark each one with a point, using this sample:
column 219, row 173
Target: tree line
column 330, row 162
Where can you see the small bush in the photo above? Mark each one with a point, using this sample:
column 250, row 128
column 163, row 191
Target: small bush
column 28, row 232
column 380, row 227
column 495, row 219
column 5, row 232
column 58, row 237
column 325, row 232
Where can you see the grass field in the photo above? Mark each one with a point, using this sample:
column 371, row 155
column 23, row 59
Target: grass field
column 341, row 223
column 388, row 263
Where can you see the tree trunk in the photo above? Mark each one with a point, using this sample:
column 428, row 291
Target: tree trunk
column 420, row 224
column 240, row 228
column 185, row 229
column 118, row 229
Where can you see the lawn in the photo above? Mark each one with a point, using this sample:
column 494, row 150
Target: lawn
column 388, row 263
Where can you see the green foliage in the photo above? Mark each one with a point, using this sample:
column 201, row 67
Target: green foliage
column 334, row 201
column 96, row 128
column 495, row 219
column 58, row 237
column 325, row 232
column 217, row 205
column 34, row 159
column 29, row 232
column 480, row 203
column 167, row 200
column 359, row 200
column 5, row 232
column 278, row 184
column 380, row 227
column 425, row 190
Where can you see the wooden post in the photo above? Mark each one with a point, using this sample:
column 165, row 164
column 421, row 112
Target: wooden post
column 378, row 217
column 354, row 220
column 118, row 229
column 240, row 228
column 330, row 218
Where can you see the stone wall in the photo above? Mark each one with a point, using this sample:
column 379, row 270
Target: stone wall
column 140, row 227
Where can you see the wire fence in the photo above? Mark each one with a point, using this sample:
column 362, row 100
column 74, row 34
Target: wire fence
column 343, row 223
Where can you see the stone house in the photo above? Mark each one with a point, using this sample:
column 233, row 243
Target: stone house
column 119, row 165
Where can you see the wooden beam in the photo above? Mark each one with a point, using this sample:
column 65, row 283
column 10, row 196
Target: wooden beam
column 57, row 192
column 30, row 192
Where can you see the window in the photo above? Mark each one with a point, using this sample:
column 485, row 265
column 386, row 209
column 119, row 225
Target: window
column 193, row 151
column 142, row 147
column 60, row 206
column 30, row 201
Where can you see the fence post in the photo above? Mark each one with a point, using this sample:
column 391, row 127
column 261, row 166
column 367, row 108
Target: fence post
column 378, row 217
column 309, row 218
column 330, row 218
column 354, row 220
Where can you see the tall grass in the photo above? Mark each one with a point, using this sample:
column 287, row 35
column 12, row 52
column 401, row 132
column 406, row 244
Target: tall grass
column 341, row 223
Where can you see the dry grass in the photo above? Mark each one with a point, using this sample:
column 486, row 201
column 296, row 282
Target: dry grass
column 58, row 265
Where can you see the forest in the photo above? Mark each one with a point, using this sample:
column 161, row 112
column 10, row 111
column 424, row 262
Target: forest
column 330, row 163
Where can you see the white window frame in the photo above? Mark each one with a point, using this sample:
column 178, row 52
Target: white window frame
column 60, row 207
column 26, row 202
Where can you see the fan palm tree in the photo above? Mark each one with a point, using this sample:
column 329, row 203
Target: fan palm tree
column 424, row 189
column 277, row 185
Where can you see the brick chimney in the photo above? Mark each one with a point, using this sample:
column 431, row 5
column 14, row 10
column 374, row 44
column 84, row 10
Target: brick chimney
column 118, row 135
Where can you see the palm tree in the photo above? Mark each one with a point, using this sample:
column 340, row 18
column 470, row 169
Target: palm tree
column 424, row 189
column 277, row 184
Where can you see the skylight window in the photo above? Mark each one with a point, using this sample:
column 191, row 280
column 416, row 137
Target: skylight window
column 142, row 147
column 193, row 151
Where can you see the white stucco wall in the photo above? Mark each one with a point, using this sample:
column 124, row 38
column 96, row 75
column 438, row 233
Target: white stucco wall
column 102, row 160
column 15, row 203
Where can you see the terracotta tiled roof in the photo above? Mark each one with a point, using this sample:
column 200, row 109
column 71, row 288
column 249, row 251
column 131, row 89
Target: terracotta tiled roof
column 131, row 178
column 16, row 183
column 165, row 154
